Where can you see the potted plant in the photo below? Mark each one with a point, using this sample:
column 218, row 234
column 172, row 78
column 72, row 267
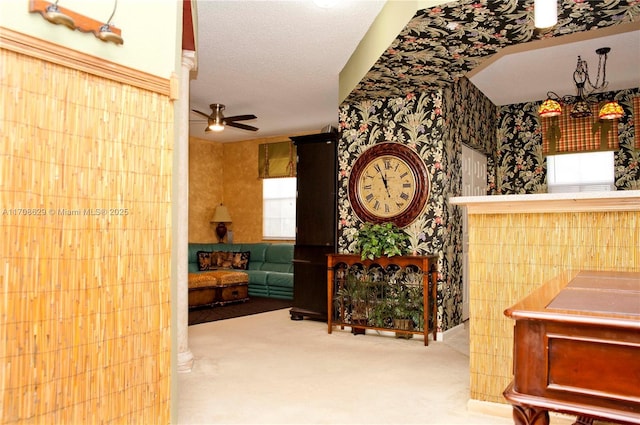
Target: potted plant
column 356, row 297
column 381, row 314
column 376, row 240
column 406, row 304
column 402, row 312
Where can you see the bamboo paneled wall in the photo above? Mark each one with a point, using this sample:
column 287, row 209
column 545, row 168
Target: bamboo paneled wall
column 85, row 213
column 513, row 254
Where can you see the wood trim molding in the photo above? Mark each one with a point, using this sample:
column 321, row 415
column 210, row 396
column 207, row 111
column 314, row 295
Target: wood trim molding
column 620, row 200
column 82, row 23
column 50, row 52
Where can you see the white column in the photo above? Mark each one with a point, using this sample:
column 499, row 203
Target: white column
column 181, row 223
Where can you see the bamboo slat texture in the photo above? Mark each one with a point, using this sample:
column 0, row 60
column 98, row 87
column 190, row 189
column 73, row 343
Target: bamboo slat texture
column 85, row 213
column 511, row 255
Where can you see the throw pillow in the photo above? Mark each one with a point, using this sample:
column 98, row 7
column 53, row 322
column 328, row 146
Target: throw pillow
column 240, row 260
column 215, row 257
column 224, row 259
column 205, row 260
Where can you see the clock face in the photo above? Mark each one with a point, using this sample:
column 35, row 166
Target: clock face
column 388, row 183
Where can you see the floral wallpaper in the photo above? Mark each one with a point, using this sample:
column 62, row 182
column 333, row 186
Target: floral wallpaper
column 469, row 118
column 414, row 120
column 434, row 125
column 415, row 94
column 520, row 165
column 443, row 43
column 627, row 159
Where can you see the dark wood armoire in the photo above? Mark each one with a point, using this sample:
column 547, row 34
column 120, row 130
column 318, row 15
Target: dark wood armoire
column 315, row 223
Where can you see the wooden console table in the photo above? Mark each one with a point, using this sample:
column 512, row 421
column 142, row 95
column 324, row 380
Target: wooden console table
column 425, row 264
column 577, row 349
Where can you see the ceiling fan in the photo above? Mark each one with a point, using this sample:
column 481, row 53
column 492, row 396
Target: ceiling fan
column 217, row 121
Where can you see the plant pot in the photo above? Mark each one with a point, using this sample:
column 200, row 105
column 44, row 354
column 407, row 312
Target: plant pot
column 405, row 324
column 358, row 330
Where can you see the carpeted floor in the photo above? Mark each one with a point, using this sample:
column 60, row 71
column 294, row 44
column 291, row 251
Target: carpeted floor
column 268, row 369
column 255, row 305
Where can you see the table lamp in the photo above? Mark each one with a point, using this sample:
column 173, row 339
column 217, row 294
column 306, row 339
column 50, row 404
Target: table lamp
column 221, row 216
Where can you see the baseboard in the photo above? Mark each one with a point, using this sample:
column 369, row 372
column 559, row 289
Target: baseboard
column 440, row 335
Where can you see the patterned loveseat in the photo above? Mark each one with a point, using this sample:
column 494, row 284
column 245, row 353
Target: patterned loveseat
column 270, row 266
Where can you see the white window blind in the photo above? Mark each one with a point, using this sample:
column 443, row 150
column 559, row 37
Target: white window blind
column 581, row 172
column 279, row 208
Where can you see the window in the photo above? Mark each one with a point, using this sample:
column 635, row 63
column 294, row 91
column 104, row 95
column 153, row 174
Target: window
column 580, row 172
column 279, row 208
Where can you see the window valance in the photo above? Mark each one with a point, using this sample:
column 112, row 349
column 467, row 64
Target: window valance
column 276, row 160
column 563, row 134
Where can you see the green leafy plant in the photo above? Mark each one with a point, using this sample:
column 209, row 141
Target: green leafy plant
column 376, row 240
column 357, row 296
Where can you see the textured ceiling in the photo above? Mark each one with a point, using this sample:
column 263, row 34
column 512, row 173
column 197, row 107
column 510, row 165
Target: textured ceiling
column 280, row 60
column 527, row 72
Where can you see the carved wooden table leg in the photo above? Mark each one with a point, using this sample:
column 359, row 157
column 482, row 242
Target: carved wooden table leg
column 523, row 415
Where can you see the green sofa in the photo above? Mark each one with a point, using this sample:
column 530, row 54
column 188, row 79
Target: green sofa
column 270, row 266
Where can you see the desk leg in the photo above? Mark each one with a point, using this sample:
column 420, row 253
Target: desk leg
column 523, row 415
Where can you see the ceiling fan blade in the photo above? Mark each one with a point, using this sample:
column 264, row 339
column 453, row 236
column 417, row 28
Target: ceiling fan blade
column 241, row 126
column 201, row 113
column 239, row 118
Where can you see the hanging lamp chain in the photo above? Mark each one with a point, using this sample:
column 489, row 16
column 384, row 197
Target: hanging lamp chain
column 115, row 6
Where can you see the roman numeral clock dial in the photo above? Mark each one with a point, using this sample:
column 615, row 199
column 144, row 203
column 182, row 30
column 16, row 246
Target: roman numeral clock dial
column 388, row 182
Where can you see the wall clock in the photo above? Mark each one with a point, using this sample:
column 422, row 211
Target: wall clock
column 388, row 183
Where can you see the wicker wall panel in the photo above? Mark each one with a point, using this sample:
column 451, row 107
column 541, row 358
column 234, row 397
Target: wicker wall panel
column 513, row 254
column 85, row 213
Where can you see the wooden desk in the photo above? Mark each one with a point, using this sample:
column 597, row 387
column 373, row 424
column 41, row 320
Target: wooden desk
column 577, row 349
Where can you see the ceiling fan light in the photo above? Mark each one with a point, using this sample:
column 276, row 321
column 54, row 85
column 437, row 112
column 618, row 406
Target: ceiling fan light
column 545, row 13
column 216, row 127
column 611, row 111
column 550, row 108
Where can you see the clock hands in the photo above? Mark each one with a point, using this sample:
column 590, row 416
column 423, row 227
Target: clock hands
column 386, row 186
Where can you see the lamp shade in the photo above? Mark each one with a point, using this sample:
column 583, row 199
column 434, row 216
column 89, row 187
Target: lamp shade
column 221, row 215
column 580, row 109
column 611, row 111
column 545, row 13
column 215, row 126
column 550, row 108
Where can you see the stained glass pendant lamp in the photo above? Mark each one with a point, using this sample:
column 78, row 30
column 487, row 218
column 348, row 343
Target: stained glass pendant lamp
column 581, row 103
column 550, row 108
column 611, row 111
